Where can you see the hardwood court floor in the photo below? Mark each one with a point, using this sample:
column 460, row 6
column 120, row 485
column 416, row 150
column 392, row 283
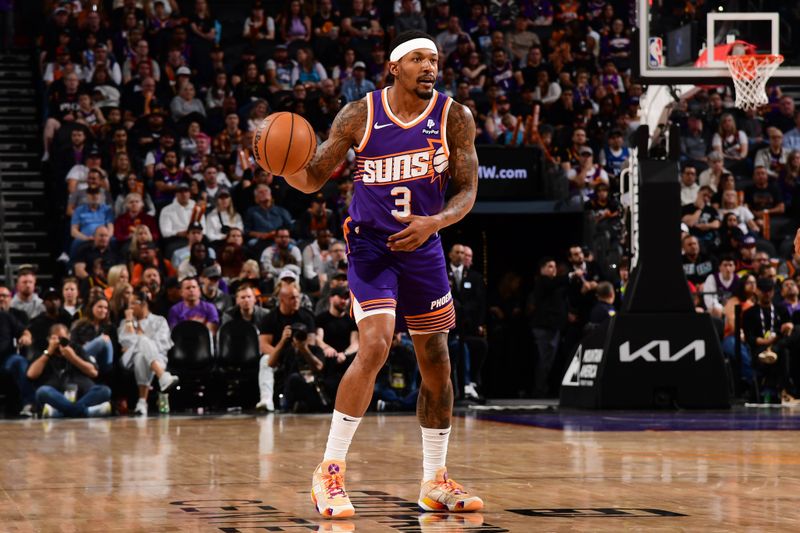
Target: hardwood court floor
column 245, row 473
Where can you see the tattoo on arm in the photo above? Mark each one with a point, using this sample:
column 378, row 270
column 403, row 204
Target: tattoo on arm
column 463, row 164
column 347, row 130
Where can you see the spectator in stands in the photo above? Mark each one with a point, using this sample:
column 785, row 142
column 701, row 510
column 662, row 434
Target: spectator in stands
column 193, row 235
column 74, row 157
column 168, row 178
column 278, row 71
column 192, row 307
column 210, row 290
column 689, row 186
column 25, row 298
column 94, row 333
column 745, row 219
column 176, row 217
column 409, row 17
column 145, row 341
column 155, row 155
column 262, row 221
column 228, row 141
column 281, row 255
column 494, row 126
column 98, row 248
column 697, row 265
column 585, row 176
column 719, row 286
column 70, row 297
column 196, row 262
column 258, row 27
column 186, row 104
column 62, row 104
column 791, row 296
column 87, row 218
column 791, row 138
column 39, row 327
column 732, row 143
column 148, row 257
column 223, row 217
column 125, row 225
column 773, row 156
column 357, row 86
column 694, row 143
column 782, row 117
column 79, row 197
column 763, row 197
column 703, row 220
column 315, row 219
column 714, row 174
column 141, row 55
column 314, row 257
column 64, row 364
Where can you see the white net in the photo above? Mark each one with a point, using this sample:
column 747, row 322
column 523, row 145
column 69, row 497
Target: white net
column 750, row 73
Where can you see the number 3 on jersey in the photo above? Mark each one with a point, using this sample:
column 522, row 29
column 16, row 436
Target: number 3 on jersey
column 403, row 202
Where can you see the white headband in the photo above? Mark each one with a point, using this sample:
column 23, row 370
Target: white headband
column 413, row 44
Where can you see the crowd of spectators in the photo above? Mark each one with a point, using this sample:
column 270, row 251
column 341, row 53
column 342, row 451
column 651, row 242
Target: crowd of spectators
column 151, row 107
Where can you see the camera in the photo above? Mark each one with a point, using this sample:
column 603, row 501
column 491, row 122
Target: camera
column 299, row 332
column 63, row 341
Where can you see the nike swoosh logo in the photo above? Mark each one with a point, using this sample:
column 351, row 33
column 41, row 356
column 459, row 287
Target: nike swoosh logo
column 445, row 433
column 348, row 419
column 377, row 127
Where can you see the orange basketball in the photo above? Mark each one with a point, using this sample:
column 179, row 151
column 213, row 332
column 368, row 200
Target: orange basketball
column 284, row 143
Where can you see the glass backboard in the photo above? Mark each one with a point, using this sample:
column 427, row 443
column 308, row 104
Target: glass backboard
column 686, row 41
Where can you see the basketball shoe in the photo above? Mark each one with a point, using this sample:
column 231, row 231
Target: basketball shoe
column 442, row 493
column 327, row 490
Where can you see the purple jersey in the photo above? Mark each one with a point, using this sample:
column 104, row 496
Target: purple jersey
column 401, row 167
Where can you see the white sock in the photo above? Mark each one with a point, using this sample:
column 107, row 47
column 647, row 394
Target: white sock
column 434, row 451
column 343, row 427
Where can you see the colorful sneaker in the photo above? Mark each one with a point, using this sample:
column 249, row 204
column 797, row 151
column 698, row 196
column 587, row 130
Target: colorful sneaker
column 327, row 490
column 442, row 493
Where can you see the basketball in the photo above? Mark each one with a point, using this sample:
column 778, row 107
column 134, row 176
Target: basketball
column 284, row 143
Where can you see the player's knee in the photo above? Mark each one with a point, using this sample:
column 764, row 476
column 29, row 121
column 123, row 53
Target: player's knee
column 373, row 352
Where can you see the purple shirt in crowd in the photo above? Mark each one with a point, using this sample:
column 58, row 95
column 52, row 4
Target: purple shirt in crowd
column 181, row 312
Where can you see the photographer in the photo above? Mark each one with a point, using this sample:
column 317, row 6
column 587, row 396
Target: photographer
column 337, row 336
column 63, row 366
column 291, row 351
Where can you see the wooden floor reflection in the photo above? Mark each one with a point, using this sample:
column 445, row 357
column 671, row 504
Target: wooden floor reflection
column 244, row 473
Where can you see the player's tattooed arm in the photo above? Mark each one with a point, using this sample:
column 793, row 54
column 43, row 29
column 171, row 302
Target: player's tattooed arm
column 347, row 130
column 463, row 165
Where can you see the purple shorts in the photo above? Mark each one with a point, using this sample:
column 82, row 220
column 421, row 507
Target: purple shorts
column 411, row 286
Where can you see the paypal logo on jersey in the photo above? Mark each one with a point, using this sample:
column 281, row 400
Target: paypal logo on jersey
column 427, row 130
column 404, row 166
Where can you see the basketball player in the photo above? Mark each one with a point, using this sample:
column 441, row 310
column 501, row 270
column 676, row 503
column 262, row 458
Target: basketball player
column 410, row 143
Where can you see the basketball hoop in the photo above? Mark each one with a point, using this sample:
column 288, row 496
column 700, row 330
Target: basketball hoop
column 750, row 73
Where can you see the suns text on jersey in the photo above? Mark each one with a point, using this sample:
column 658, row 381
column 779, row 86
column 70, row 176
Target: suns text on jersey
column 398, row 167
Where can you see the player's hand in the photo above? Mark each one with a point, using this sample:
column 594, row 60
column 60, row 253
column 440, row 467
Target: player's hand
column 417, row 232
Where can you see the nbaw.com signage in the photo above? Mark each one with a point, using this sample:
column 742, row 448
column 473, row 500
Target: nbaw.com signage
column 626, row 365
column 509, row 173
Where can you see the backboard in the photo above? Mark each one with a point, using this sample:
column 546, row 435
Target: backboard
column 672, row 42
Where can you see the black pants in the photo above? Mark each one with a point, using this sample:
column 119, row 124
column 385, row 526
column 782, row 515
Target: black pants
column 300, row 395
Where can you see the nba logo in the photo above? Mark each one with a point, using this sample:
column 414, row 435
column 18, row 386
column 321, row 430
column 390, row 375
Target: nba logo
column 655, row 52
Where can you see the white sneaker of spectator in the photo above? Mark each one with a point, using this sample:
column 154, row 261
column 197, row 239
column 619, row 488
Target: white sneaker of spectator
column 470, row 391
column 102, row 409
column 27, row 411
column 265, row 404
column 48, row 411
column 141, row 407
column 167, row 382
